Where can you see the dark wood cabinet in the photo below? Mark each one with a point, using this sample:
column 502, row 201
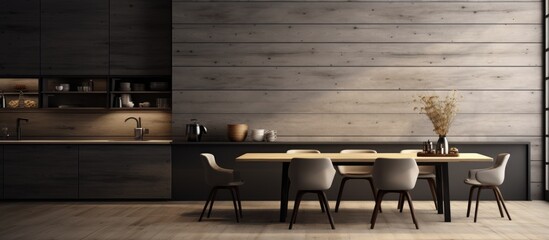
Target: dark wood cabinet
column 74, row 37
column 125, row 172
column 1, row 172
column 40, row 171
column 20, row 37
column 140, row 37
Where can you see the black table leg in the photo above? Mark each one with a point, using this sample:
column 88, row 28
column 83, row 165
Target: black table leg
column 284, row 192
column 446, row 187
column 439, row 188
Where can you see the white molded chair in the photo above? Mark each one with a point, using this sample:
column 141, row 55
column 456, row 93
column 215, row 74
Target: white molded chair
column 394, row 175
column 311, row 175
column 354, row 172
column 426, row 172
column 302, row 151
column 489, row 178
column 221, row 178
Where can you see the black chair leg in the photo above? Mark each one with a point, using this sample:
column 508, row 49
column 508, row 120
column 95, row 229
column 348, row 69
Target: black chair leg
column 212, row 201
column 503, row 202
column 296, row 208
column 237, row 190
column 471, row 191
column 497, row 200
column 409, row 198
column 340, row 194
column 379, row 199
column 321, row 205
column 235, row 205
column 324, row 199
column 432, row 186
column 206, row 205
column 476, row 207
column 401, row 202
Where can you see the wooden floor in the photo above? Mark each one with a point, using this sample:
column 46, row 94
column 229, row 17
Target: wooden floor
column 178, row 220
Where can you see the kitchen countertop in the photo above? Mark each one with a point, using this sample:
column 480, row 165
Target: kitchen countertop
column 69, row 141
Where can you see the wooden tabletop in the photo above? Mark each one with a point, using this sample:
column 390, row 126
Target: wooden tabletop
column 358, row 157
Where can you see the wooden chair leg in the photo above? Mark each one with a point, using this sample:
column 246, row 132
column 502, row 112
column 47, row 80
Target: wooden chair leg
column 432, row 185
column 206, row 205
column 340, row 194
column 502, row 202
column 497, row 200
column 324, row 199
column 235, row 205
column 471, row 191
column 212, row 201
column 237, row 191
column 478, row 199
column 374, row 191
column 409, row 198
column 296, row 208
column 380, row 194
column 401, row 202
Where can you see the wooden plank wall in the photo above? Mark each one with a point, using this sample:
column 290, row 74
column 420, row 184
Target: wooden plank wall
column 348, row 70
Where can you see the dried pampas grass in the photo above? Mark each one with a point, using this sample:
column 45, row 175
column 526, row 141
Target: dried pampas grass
column 441, row 112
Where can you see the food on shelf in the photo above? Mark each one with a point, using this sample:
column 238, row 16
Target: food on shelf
column 27, row 103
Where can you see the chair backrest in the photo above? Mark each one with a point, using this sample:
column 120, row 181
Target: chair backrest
column 496, row 174
column 311, row 173
column 213, row 173
column 422, row 169
column 346, row 169
column 302, row 151
column 395, row 173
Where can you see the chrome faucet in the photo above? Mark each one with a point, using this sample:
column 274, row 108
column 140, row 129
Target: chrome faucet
column 139, row 131
column 18, row 127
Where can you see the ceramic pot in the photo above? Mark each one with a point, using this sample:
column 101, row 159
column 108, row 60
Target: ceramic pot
column 270, row 136
column 258, row 135
column 237, row 132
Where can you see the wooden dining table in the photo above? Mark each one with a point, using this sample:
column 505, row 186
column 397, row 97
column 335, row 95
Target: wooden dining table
column 440, row 163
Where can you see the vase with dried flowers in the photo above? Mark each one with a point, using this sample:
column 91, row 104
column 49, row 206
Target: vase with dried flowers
column 441, row 112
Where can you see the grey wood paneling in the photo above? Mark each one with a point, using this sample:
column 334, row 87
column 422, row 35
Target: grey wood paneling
column 41, row 172
column 125, row 171
column 347, row 101
column 140, row 37
column 74, row 37
column 356, row 54
column 20, row 37
column 70, row 124
column 348, row 71
column 356, row 78
column 355, row 33
column 357, row 12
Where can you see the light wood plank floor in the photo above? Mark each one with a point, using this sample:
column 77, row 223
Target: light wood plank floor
column 178, row 220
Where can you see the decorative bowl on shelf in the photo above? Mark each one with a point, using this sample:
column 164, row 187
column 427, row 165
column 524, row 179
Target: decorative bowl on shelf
column 237, row 132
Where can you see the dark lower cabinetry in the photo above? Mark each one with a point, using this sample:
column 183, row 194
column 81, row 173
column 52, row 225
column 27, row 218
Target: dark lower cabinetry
column 125, row 172
column 1, row 172
column 41, row 172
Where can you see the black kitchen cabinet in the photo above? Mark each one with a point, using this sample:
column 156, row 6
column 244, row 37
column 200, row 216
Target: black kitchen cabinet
column 40, row 171
column 20, row 37
column 140, row 37
column 75, row 37
column 125, row 172
column 1, row 172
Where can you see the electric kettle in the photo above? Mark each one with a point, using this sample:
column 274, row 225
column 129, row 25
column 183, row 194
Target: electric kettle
column 194, row 131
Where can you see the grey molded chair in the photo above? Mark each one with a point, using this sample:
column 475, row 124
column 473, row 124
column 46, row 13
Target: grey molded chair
column 291, row 151
column 425, row 173
column 355, row 172
column 311, row 175
column 489, row 178
column 221, row 178
column 394, row 175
